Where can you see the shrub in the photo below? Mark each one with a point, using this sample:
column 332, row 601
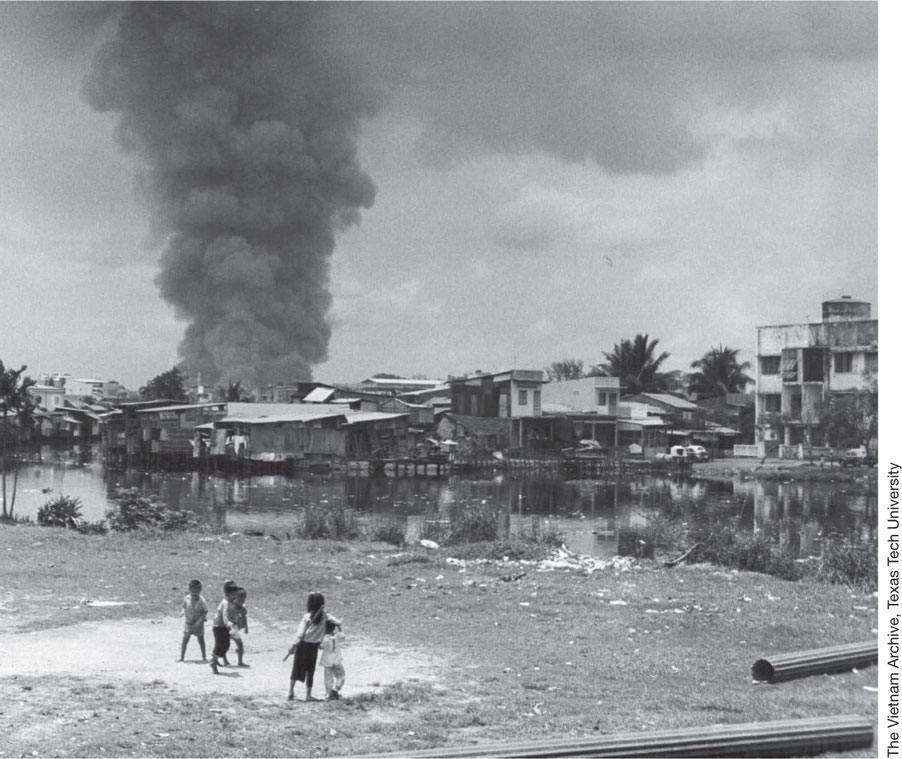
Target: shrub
column 473, row 525
column 387, row 531
column 328, row 523
column 545, row 534
column 722, row 545
column 61, row 511
column 137, row 512
column 848, row 561
column 644, row 541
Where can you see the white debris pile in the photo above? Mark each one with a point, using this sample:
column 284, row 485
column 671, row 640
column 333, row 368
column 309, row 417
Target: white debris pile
column 565, row 559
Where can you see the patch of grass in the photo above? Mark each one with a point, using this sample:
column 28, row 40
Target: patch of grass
column 848, row 561
column 318, row 522
column 386, row 531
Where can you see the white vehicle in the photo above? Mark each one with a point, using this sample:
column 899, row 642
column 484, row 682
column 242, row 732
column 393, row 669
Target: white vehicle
column 698, row 452
column 677, row 453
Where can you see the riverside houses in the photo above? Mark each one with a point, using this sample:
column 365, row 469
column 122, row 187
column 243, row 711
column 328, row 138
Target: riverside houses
column 224, row 433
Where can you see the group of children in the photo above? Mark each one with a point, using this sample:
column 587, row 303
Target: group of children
column 317, row 631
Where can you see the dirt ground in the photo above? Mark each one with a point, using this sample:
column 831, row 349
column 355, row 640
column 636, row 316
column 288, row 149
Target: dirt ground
column 131, row 649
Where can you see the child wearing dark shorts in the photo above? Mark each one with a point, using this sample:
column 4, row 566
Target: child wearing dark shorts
column 306, row 643
column 224, row 623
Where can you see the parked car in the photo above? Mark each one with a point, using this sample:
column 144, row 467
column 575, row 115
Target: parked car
column 855, row 457
column 698, row 452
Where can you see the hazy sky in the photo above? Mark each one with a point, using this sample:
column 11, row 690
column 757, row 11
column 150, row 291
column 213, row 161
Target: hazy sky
column 549, row 178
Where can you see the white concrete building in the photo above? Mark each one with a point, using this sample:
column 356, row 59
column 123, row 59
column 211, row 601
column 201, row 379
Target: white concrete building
column 798, row 365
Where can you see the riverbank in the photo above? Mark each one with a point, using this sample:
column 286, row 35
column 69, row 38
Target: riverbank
column 777, row 469
column 440, row 651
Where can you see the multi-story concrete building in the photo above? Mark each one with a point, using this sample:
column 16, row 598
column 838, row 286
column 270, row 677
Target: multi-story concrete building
column 798, row 365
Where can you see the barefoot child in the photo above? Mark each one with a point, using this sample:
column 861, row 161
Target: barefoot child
column 306, row 643
column 224, row 623
column 240, row 625
column 194, row 609
column 333, row 668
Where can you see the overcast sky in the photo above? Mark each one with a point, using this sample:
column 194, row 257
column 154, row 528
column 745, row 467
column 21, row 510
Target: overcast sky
column 549, row 179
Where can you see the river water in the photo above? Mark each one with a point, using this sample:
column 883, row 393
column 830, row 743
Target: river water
column 587, row 513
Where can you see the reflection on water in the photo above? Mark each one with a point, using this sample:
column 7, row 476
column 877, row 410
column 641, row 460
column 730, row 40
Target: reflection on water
column 589, row 513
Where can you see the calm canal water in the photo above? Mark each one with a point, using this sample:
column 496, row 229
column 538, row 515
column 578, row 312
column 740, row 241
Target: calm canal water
column 588, row 513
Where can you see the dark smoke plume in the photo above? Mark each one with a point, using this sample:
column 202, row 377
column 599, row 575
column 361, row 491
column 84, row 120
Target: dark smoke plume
column 246, row 118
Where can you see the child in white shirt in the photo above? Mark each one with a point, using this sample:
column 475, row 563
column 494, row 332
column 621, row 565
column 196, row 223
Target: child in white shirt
column 333, row 667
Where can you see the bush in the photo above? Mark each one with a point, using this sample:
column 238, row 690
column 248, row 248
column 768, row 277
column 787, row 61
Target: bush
column 328, row 523
column 848, row 561
column 61, row 511
column 387, row 531
column 543, row 534
column 137, row 512
column 643, row 542
column 722, row 545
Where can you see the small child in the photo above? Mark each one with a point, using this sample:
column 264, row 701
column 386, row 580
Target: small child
column 224, row 624
column 305, row 647
column 333, row 668
column 240, row 625
column 194, row 609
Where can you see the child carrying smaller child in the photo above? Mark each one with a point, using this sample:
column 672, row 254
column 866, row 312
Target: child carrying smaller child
column 194, row 609
column 333, row 668
column 224, row 625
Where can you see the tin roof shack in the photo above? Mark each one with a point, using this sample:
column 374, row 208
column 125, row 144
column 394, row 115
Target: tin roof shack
column 167, row 432
column 309, row 432
column 121, row 437
column 377, row 434
column 586, row 408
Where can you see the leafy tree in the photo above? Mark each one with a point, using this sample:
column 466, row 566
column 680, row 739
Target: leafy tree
column 233, row 392
column 635, row 363
column 16, row 401
column 567, row 369
column 169, row 385
column 850, row 419
column 719, row 372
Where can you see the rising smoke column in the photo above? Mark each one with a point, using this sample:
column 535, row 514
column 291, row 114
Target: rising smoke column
column 245, row 117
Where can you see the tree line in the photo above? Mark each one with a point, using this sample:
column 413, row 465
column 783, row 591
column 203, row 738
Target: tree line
column 639, row 366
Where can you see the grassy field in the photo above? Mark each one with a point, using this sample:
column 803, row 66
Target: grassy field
column 528, row 651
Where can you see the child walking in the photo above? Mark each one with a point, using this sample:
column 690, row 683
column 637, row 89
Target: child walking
column 194, row 609
column 240, row 625
column 224, row 623
column 305, row 647
column 333, row 667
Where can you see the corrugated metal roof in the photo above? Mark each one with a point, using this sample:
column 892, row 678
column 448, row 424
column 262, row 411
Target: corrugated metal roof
column 671, row 400
column 179, row 407
column 300, row 416
column 359, row 417
column 320, row 395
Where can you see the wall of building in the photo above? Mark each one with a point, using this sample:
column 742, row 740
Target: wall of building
column 582, row 394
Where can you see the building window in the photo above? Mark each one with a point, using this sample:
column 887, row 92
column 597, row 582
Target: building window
column 771, row 403
column 602, row 398
column 770, row 364
column 842, row 363
column 523, row 397
column 870, row 362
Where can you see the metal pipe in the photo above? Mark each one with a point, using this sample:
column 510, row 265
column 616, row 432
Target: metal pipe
column 786, row 738
column 815, row 662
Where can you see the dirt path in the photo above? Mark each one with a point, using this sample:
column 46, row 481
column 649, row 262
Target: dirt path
column 147, row 651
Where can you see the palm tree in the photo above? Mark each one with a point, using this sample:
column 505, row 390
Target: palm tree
column 635, row 363
column 15, row 398
column 719, row 372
